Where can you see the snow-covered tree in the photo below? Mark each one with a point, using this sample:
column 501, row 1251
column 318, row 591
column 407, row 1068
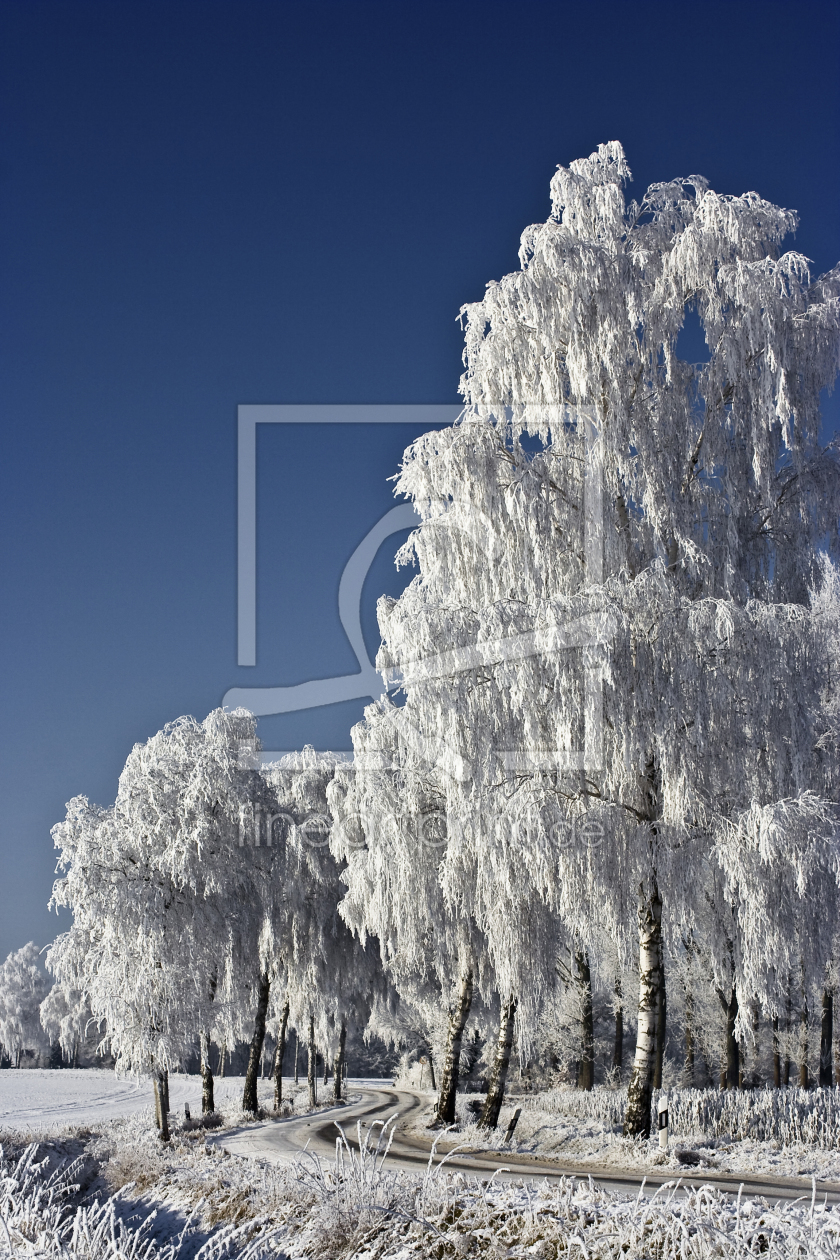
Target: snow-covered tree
column 392, row 831
column 167, row 898
column 330, row 978
column 23, row 986
column 68, row 1021
column 612, row 619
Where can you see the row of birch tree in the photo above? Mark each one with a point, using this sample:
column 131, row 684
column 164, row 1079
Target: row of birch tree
column 607, row 742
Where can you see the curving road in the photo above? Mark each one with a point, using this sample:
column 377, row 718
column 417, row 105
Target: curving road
column 282, row 1141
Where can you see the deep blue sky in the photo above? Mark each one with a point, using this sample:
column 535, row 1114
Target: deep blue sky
column 208, row 204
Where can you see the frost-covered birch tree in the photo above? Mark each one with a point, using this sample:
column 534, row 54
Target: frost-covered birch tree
column 23, row 986
column 391, row 830
column 167, row 899
column 67, row 1020
column 330, row 979
column 612, row 628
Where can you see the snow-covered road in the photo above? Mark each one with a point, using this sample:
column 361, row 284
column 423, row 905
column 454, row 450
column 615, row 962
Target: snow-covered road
column 282, row 1141
column 38, row 1101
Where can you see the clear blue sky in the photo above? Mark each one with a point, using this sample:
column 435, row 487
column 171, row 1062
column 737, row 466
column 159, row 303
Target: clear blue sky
column 206, row 204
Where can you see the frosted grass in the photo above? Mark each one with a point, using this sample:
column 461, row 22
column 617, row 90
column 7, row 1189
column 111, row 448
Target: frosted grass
column 791, row 1117
column 355, row 1207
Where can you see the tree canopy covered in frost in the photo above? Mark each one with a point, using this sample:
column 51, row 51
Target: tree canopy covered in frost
column 616, row 566
column 167, row 929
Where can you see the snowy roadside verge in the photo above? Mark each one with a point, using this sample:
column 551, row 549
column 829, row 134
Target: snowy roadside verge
column 119, row 1194
column 557, row 1129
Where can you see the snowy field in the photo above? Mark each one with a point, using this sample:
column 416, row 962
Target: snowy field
column 41, row 1100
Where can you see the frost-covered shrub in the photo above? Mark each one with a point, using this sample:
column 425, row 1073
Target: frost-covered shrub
column 600, row 1103
column 38, row 1220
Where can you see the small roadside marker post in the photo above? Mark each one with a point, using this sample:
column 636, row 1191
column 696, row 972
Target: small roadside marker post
column 662, row 1118
column 514, row 1120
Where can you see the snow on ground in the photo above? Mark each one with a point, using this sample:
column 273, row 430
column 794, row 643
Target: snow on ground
column 38, row 1099
column 38, row 1102
column 189, row 1201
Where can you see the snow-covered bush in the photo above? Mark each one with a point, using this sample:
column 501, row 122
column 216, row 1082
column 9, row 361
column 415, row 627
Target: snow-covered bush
column 601, row 1103
column 787, row 1116
column 39, row 1222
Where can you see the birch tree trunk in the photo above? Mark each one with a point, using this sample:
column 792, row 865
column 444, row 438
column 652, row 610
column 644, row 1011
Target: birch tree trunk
column 689, row 1040
column 501, row 1063
column 208, row 1103
column 732, row 1059
column 222, row 1054
column 279, row 1056
column 161, row 1112
column 338, row 1066
column 311, row 1075
column 754, row 1076
column 826, row 1039
column 164, row 1079
column 804, row 1079
column 297, row 1057
column 586, row 1067
column 252, row 1075
column 458, row 1015
column 637, row 1116
column 661, row 1021
column 777, row 1058
column 618, row 1044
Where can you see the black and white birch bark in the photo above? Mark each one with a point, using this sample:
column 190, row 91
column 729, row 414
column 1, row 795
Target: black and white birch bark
column 586, row 1065
column 208, row 1103
column 338, row 1065
column 501, row 1063
column 640, row 1090
column 311, row 1074
column 458, row 1015
column 249, row 1094
column 279, row 1056
column 826, row 1039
